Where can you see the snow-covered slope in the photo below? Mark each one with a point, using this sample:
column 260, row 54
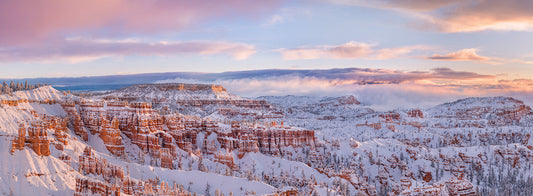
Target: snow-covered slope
column 455, row 135
column 26, row 171
column 39, row 94
column 137, row 141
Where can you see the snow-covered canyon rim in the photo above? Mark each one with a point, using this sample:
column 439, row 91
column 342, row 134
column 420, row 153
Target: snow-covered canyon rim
column 182, row 139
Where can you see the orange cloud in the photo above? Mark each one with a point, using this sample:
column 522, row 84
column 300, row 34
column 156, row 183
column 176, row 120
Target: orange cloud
column 458, row 15
column 469, row 54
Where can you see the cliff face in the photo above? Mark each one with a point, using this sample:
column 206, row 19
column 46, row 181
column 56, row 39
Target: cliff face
column 161, row 135
column 110, row 134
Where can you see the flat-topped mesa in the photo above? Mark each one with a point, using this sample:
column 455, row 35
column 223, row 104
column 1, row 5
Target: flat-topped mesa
column 189, row 99
column 165, row 93
column 168, row 94
column 180, row 86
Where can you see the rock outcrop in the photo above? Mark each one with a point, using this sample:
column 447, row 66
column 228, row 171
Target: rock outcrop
column 36, row 138
column 90, row 164
column 110, row 134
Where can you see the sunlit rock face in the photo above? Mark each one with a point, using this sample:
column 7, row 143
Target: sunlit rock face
column 35, row 134
column 152, row 131
column 110, row 134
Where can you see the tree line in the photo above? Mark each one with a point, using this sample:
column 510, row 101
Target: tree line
column 17, row 86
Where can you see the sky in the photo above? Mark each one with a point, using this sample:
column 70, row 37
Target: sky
column 63, row 38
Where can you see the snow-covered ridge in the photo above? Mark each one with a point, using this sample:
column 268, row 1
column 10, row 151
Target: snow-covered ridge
column 178, row 86
column 493, row 102
column 171, row 93
column 38, row 94
column 481, row 107
column 299, row 101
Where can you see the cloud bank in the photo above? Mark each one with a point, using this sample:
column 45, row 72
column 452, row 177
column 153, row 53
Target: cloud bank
column 382, row 88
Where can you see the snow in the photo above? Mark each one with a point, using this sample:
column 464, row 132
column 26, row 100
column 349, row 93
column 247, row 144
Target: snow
column 26, row 173
column 448, row 132
column 39, row 94
column 149, row 92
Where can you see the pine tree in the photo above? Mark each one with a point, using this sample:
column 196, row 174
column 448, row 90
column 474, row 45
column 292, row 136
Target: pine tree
column 207, row 189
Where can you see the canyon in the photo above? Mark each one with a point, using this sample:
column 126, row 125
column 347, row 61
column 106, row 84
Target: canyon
column 187, row 139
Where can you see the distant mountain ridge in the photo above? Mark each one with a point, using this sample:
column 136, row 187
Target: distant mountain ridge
column 113, row 82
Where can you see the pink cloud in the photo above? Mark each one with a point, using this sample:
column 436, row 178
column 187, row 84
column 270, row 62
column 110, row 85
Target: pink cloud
column 398, row 52
column 25, row 21
column 75, row 50
column 302, row 53
column 469, row 54
column 350, row 50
